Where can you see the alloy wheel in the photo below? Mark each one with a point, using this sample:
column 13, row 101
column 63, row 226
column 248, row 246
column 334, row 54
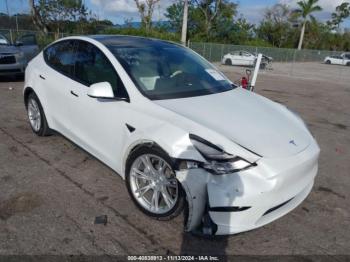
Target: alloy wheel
column 153, row 184
column 34, row 114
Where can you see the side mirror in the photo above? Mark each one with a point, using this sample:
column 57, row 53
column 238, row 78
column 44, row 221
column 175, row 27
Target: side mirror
column 104, row 90
column 101, row 90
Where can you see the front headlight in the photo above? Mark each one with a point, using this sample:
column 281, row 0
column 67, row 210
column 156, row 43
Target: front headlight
column 19, row 55
column 218, row 161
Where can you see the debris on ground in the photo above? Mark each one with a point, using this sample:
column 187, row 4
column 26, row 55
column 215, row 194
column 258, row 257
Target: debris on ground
column 101, row 220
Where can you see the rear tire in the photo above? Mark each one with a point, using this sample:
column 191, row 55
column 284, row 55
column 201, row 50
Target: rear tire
column 138, row 177
column 228, row 61
column 328, row 62
column 36, row 116
column 348, row 63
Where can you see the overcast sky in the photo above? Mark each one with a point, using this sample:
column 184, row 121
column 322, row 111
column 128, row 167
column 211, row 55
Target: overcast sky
column 118, row 10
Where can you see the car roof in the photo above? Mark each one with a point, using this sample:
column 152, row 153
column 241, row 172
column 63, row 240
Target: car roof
column 240, row 51
column 130, row 41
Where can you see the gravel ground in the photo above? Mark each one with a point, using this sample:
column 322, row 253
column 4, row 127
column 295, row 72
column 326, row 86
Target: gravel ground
column 51, row 191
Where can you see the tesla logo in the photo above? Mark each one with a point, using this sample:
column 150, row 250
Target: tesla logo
column 292, row 142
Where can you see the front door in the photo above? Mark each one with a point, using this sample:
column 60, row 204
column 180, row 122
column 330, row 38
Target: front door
column 99, row 124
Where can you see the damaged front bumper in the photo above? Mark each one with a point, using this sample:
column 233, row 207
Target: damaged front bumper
column 242, row 201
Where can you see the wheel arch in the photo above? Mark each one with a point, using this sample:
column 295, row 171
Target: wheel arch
column 174, row 142
column 134, row 146
column 26, row 92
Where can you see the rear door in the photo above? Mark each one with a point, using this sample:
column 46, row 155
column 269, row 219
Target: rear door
column 57, row 83
column 248, row 59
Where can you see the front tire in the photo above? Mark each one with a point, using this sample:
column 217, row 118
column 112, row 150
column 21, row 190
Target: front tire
column 36, row 116
column 328, row 62
column 152, row 185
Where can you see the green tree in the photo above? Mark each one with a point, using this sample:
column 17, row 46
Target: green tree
column 53, row 14
column 174, row 15
column 210, row 9
column 317, row 35
column 305, row 10
column 208, row 20
column 38, row 20
column 276, row 27
column 146, row 10
column 224, row 24
column 342, row 12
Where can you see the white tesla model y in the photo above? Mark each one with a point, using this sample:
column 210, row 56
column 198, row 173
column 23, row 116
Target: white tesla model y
column 175, row 128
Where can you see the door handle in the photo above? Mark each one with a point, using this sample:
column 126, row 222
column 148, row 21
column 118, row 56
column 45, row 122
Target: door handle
column 42, row 77
column 74, row 94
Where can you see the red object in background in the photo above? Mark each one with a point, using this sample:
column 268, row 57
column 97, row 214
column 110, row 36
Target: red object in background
column 244, row 82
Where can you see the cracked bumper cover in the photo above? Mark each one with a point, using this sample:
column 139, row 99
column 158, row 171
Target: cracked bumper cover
column 248, row 199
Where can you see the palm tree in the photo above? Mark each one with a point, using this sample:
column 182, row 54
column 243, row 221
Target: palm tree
column 306, row 8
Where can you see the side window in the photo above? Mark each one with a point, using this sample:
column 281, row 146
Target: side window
column 60, row 56
column 92, row 66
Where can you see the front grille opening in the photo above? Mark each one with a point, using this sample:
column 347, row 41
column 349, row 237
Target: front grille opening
column 10, row 71
column 7, row 59
column 277, row 207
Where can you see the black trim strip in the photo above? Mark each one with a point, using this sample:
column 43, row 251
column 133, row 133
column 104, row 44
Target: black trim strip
column 74, row 94
column 277, row 207
column 228, row 209
column 248, row 150
column 199, row 139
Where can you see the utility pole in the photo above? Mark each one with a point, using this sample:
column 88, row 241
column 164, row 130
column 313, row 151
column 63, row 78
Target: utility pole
column 184, row 23
column 8, row 14
column 7, row 8
column 17, row 23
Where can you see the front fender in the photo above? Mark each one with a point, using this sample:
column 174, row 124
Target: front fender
column 173, row 140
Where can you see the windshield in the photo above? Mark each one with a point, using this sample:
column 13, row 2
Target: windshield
column 166, row 71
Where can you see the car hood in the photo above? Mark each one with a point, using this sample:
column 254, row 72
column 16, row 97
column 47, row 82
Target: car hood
column 8, row 49
column 250, row 120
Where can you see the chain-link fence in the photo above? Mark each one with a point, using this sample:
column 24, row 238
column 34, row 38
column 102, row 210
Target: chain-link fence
column 291, row 62
column 215, row 52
